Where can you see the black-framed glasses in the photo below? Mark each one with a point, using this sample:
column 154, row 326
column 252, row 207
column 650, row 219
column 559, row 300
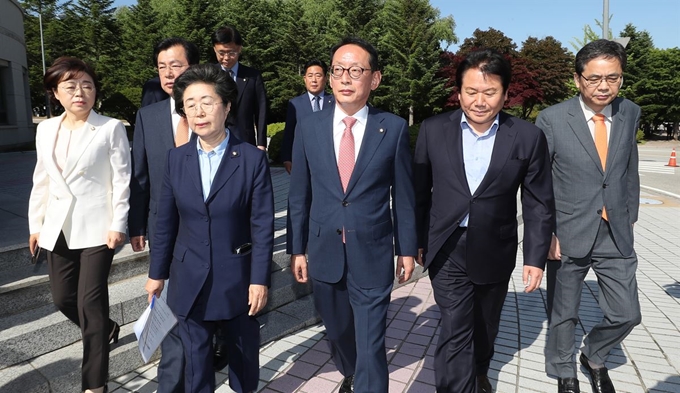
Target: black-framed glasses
column 595, row 80
column 192, row 109
column 354, row 72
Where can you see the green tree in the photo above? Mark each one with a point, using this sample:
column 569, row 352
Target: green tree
column 412, row 35
column 657, row 93
column 590, row 35
column 637, row 54
column 36, row 9
column 91, row 34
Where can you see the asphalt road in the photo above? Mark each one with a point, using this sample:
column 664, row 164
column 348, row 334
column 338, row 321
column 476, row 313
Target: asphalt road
column 654, row 174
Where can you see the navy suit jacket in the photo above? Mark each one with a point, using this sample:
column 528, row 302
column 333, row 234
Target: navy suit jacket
column 298, row 108
column 195, row 242
column 251, row 107
column 152, row 139
column 319, row 209
column 152, row 92
column 519, row 160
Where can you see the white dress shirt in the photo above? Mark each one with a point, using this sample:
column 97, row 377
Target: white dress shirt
column 357, row 130
column 589, row 113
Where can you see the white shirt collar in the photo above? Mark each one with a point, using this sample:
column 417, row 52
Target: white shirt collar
column 588, row 112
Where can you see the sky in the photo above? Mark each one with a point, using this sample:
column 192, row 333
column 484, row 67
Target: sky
column 562, row 19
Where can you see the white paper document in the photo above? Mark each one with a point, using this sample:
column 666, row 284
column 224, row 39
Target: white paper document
column 152, row 327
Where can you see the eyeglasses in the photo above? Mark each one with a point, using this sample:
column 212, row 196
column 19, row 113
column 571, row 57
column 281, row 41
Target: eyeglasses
column 193, row 109
column 230, row 53
column 595, row 80
column 174, row 67
column 354, row 72
column 70, row 88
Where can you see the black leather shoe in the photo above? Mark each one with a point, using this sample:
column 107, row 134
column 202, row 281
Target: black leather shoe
column 220, row 358
column 115, row 332
column 483, row 384
column 347, row 385
column 599, row 377
column 567, row 385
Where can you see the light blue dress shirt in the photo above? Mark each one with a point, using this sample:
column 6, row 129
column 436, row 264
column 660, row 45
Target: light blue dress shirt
column 208, row 163
column 477, row 151
column 234, row 69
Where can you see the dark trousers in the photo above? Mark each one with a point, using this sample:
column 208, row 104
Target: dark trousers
column 356, row 319
column 171, row 365
column 78, row 281
column 243, row 343
column 618, row 300
column 470, row 317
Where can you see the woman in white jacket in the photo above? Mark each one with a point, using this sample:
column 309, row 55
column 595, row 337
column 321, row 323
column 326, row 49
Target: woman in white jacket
column 78, row 208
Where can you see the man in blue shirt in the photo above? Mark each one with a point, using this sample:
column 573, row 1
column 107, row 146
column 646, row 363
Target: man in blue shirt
column 469, row 166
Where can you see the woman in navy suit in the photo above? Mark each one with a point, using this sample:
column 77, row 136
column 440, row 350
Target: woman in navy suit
column 215, row 234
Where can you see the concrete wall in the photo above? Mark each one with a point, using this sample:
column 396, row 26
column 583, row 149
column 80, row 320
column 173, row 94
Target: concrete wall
column 16, row 125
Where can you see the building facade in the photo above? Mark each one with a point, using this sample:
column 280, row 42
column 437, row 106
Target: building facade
column 16, row 120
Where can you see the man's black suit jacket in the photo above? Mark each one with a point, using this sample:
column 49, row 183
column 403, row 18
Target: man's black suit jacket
column 251, row 107
column 152, row 92
column 443, row 199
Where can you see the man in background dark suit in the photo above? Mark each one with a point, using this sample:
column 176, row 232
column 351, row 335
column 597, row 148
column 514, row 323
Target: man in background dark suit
column 152, row 92
column 594, row 157
column 158, row 128
column 469, row 165
column 350, row 162
column 313, row 100
column 251, row 106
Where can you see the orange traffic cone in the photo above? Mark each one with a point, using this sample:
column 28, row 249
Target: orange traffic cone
column 672, row 161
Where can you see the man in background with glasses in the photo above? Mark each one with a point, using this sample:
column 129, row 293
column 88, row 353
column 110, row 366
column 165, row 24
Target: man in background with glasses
column 349, row 162
column 159, row 128
column 250, row 114
column 314, row 99
column 593, row 151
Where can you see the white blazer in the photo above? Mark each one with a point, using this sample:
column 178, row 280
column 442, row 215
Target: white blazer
column 90, row 197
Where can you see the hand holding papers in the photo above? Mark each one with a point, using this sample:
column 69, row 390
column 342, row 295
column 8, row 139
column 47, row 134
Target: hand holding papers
column 152, row 326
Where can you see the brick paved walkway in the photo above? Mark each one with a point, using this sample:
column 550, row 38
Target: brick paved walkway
column 647, row 361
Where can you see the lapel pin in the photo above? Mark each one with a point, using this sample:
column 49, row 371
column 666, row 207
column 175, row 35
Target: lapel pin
column 91, row 128
column 381, row 130
column 234, row 153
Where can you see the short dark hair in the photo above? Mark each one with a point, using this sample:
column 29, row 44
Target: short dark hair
column 318, row 63
column 65, row 68
column 226, row 35
column 490, row 62
column 372, row 53
column 191, row 50
column 600, row 48
column 224, row 85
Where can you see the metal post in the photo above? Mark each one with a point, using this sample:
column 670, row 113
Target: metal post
column 605, row 20
column 42, row 51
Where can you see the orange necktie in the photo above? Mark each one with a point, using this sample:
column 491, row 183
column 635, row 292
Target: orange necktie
column 182, row 135
column 601, row 146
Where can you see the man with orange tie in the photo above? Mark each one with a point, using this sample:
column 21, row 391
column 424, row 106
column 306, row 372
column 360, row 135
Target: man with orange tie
column 593, row 151
column 349, row 162
column 159, row 128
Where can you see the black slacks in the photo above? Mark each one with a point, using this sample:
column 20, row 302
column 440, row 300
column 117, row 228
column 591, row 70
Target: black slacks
column 470, row 318
column 78, row 281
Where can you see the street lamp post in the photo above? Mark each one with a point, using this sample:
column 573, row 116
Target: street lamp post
column 605, row 19
column 42, row 51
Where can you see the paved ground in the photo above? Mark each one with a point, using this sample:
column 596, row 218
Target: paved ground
column 647, row 361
